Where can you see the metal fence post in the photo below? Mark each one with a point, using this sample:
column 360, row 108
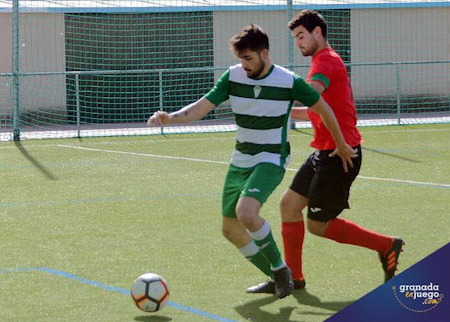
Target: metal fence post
column 15, row 70
column 289, row 15
column 161, row 107
column 77, row 100
column 398, row 89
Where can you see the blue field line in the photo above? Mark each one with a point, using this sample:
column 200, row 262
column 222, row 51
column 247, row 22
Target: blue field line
column 111, row 288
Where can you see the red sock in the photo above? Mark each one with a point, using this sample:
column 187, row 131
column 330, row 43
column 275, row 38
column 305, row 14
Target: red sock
column 293, row 234
column 347, row 232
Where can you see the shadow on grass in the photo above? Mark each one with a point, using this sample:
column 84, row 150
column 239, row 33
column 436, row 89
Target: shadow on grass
column 253, row 310
column 305, row 298
column 157, row 318
column 33, row 161
column 392, row 155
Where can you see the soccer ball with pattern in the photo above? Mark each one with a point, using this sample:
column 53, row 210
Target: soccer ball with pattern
column 150, row 292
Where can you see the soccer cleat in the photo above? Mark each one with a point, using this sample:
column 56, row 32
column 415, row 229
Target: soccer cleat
column 299, row 284
column 268, row 287
column 389, row 259
column 284, row 285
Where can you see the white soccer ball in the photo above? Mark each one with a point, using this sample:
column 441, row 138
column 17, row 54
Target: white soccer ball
column 150, row 292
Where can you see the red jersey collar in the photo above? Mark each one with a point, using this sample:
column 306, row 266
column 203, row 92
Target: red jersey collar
column 323, row 50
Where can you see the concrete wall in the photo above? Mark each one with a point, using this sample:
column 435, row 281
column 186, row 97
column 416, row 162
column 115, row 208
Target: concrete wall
column 41, row 50
column 377, row 35
column 6, row 42
column 227, row 24
column 399, row 35
column 5, row 66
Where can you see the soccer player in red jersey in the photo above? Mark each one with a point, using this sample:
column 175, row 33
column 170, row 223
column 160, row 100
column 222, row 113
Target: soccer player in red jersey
column 322, row 184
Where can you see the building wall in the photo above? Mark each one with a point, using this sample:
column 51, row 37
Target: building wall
column 41, row 50
column 226, row 24
column 6, row 41
column 377, row 35
column 5, row 65
column 399, row 35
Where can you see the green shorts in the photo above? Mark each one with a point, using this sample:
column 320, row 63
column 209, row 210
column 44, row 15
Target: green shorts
column 257, row 182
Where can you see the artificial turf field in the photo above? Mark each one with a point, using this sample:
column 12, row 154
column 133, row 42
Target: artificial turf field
column 81, row 219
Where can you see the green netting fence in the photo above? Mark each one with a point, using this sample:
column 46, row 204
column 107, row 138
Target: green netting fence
column 94, row 68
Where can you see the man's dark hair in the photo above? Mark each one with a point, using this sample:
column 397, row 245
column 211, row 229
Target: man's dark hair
column 251, row 37
column 309, row 19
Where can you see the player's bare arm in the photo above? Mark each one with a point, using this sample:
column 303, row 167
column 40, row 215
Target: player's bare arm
column 317, row 86
column 300, row 113
column 192, row 112
column 343, row 150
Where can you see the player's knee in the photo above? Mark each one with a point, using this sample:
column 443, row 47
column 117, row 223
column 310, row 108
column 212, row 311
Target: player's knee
column 316, row 227
column 285, row 206
column 229, row 233
column 290, row 210
column 247, row 218
column 247, row 214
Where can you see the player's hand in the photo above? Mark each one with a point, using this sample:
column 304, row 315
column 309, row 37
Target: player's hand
column 159, row 118
column 346, row 153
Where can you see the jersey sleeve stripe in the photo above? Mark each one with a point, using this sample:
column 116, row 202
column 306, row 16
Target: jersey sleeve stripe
column 321, row 78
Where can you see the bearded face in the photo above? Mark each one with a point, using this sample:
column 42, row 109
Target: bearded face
column 252, row 62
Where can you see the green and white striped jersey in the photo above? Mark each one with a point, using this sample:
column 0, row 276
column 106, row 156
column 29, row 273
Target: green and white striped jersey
column 262, row 108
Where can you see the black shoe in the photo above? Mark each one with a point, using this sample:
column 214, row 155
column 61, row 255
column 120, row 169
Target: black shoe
column 299, row 284
column 284, row 285
column 268, row 287
column 389, row 260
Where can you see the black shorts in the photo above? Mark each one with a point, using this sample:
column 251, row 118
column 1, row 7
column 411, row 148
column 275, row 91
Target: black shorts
column 324, row 183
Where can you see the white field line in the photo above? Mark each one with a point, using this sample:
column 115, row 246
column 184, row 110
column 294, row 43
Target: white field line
column 406, row 181
column 222, row 162
column 406, row 131
column 142, row 154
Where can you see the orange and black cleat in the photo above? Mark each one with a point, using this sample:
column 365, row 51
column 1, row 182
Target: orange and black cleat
column 389, row 259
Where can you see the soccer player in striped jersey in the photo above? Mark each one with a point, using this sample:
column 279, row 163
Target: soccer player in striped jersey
column 261, row 96
column 322, row 184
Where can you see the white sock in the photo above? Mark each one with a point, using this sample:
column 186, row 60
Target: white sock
column 249, row 250
column 261, row 233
